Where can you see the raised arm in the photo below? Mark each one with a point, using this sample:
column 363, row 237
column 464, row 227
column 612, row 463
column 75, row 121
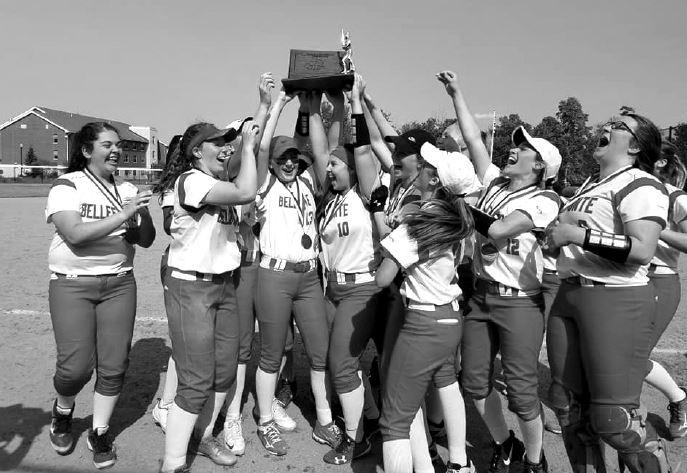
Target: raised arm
column 336, row 97
column 379, row 147
column 468, row 126
column 242, row 189
column 383, row 124
column 271, row 125
column 366, row 167
column 318, row 138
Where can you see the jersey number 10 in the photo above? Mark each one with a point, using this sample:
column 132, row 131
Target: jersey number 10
column 343, row 229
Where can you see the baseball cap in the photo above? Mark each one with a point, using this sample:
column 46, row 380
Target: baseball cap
column 411, row 141
column 209, row 132
column 236, row 125
column 455, row 170
column 548, row 152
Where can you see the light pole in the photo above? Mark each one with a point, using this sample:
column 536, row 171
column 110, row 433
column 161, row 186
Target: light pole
column 21, row 159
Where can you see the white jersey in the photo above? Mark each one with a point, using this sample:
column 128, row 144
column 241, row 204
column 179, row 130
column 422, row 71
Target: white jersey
column 518, row 260
column 348, row 235
column 94, row 200
column 666, row 256
column 607, row 205
column 430, row 279
column 248, row 228
column 289, row 215
column 204, row 236
column 167, row 198
column 399, row 198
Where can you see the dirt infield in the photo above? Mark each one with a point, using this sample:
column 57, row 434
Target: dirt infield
column 27, row 351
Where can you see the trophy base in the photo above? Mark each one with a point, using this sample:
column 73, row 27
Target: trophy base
column 333, row 82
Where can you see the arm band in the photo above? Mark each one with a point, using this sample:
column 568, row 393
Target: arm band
column 360, row 135
column 303, row 124
column 482, row 220
column 608, row 245
column 378, row 199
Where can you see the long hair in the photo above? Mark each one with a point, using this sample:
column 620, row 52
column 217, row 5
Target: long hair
column 84, row 138
column 440, row 223
column 184, row 159
column 170, row 171
column 674, row 171
column 648, row 139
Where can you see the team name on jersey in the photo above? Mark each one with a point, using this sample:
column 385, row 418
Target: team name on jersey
column 97, row 211
column 288, row 202
column 583, row 204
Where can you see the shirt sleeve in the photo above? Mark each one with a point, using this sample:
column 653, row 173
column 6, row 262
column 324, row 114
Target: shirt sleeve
column 62, row 196
column 399, row 244
column 643, row 199
column 193, row 187
column 167, row 198
column 680, row 208
column 541, row 209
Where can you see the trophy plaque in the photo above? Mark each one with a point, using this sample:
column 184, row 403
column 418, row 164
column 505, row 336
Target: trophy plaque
column 321, row 70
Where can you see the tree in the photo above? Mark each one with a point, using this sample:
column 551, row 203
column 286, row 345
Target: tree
column 680, row 141
column 32, row 160
column 549, row 129
column 433, row 125
column 502, row 136
column 575, row 143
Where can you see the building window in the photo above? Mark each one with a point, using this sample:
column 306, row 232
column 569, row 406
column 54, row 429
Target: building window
column 55, row 155
column 126, row 173
column 23, row 126
column 47, row 127
column 134, row 159
column 54, row 139
column 126, row 158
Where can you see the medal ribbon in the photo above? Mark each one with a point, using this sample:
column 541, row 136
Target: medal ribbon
column 334, row 205
column 300, row 212
column 491, row 208
column 114, row 199
column 588, row 185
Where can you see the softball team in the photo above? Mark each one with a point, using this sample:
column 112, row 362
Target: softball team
column 253, row 220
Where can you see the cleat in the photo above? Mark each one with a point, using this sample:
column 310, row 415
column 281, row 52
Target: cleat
column 329, row 434
column 347, row 451
column 233, row 435
column 511, row 450
column 678, row 417
column 269, row 435
column 159, row 414
column 285, row 391
column 103, row 448
column 61, row 437
column 541, row 467
column 216, row 451
column 458, row 468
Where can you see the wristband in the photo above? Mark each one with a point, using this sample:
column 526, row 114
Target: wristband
column 360, row 135
column 482, row 220
column 303, row 124
column 607, row 245
column 378, row 199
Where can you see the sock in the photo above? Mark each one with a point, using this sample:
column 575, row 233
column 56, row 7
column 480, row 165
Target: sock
column 397, row 456
column 319, row 390
column 352, row 406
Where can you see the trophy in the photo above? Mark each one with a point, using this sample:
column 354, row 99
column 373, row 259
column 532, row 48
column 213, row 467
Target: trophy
column 321, row 70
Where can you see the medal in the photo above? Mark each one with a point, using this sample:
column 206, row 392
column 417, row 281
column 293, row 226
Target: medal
column 306, row 241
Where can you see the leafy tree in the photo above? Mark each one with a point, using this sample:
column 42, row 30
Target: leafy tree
column 680, row 141
column 575, row 143
column 433, row 125
column 31, row 158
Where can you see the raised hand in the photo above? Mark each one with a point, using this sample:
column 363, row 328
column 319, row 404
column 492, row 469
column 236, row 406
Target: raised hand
column 265, row 86
column 450, row 81
column 249, row 134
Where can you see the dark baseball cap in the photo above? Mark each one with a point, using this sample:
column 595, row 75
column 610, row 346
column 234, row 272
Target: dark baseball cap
column 411, row 141
column 209, row 132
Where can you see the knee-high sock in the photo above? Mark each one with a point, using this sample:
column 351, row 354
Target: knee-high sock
column 180, row 425
column 264, row 387
column 492, row 413
column 234, row 408
column 397, row 456
column 102, row 409
column 419, row 448
column 208, row 416
column 319, row 389
column 352, row 405
column 453, row 407
column 170, row 389
column 532, row 437
column 659, row 378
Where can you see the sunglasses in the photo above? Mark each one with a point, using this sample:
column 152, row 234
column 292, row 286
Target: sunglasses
column 620, row 125
column 284, row 159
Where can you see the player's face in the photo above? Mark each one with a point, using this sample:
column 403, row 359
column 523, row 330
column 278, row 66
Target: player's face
column 427, row 179
column 104, row 157
column 339, row 174
column 407, row 167
column 615, row 139
column 212, row 156
column 522, row 161
column 285, row 167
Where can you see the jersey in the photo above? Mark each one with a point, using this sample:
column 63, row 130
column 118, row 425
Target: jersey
column 94, row 200
column 430, row 278
column 348, row 235
column 248, row 228
column 289, row 214
column 666, row 256
column 400, row 196
column 518, row 261
column 607, row 205
column 204, row 236
column 167, row 198
column 472, row 196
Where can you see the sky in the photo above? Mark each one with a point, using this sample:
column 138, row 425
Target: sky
column 169, row 63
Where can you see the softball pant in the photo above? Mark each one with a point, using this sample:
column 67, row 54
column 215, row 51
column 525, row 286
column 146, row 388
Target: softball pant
column 93, row 322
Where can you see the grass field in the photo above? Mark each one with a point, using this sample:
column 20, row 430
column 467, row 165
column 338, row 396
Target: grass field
column 27, row 352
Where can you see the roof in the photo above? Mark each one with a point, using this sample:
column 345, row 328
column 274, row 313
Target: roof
column 72, row 122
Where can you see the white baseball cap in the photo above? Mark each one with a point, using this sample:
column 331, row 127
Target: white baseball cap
column 548, row 152
column 455, row 170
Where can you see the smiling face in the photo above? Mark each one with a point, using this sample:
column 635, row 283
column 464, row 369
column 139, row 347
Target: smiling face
column 406, row 167
column 615, row 139
column 104, row 157
column 522, row 162
column 339, row 174
column 285, row 167
column 212, row 156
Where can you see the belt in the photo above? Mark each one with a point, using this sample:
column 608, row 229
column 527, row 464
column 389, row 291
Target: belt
column 77, row 276
column 496, row 288
column 248, row 257
column 197, row 276
column 350, row 278
column 278, row 264
column 586, row 282
column 411, row 304
column 549, row 271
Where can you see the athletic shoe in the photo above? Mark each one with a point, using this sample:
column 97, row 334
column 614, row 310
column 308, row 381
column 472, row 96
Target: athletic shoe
column 458, row 468
column 180, row 469
column 216, row 451
column 61, row 437
column 347, row 451
column 281, row 418
column 678, row 417
column 503, row 454
column 552, row 426
column 269, row 435
column 285, row 391
column 658, row 449
column 541, row 467
column 329, row 434
column 159, row 414
column 233, row 435
column 104, row 451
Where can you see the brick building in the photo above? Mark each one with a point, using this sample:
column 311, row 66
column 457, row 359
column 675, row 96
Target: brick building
column 51, row 133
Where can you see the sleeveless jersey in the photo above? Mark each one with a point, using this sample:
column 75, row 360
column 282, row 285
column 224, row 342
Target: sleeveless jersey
column 429, row 279
column 519, row 261
column 666, row 256
column 77, row 192
column 289, row 214
column 348, row 235
column 607, row 205
column 204, row 236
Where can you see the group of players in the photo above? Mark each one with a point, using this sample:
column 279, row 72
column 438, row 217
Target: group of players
column 441, row 258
